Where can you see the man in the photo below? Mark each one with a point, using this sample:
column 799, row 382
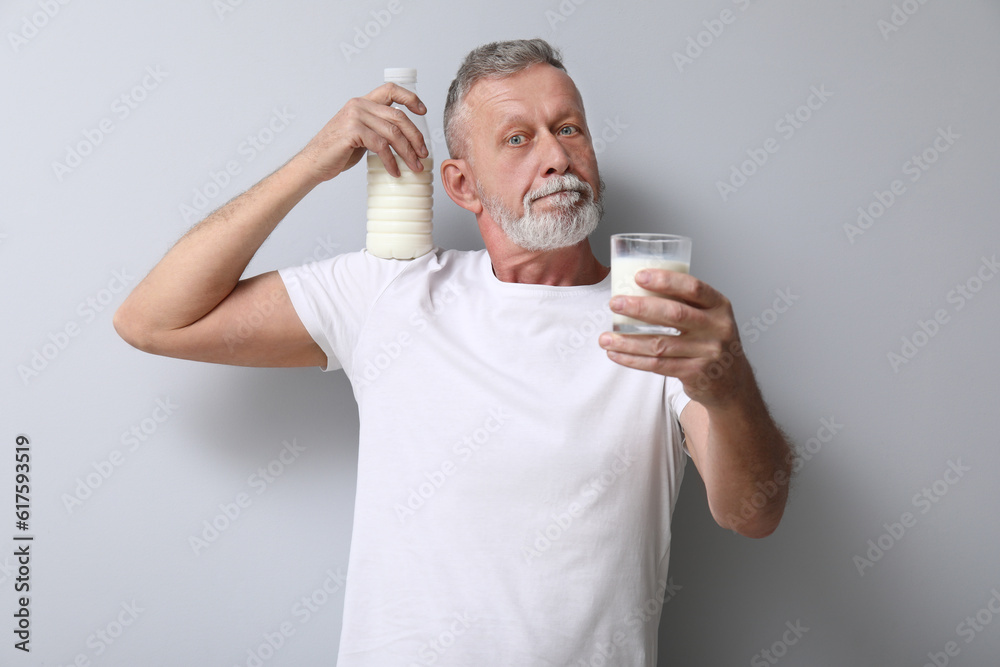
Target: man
column 514, row 492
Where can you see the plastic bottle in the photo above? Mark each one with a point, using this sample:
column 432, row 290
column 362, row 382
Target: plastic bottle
column 400, row 209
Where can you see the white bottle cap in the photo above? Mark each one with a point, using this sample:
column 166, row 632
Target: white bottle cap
column 400, row 75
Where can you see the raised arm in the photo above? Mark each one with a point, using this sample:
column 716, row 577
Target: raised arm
column 193, row 304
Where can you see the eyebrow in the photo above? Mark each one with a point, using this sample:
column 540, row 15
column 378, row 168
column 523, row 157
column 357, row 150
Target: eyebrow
column 510, row 121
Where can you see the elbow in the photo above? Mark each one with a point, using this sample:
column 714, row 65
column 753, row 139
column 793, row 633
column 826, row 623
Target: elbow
column 758, row 530
column 129, row 329
column 756, row 524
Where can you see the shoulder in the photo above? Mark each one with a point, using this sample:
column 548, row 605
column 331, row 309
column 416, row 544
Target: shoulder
column 361, row 271
column 439, row 264
column 436, row 258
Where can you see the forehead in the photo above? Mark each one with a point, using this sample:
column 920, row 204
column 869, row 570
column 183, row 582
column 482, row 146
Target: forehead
column 539, row 91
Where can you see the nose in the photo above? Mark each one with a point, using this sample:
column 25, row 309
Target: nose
column 553, row 158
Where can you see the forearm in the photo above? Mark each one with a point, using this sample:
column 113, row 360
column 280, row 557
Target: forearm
column 205, row 265
column 749, row 461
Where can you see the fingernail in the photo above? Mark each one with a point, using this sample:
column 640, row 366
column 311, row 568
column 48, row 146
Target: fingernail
column 617, row 303
column 605, row 339
column 642, row 276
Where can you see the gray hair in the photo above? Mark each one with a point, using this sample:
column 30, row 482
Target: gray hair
column 495, row 60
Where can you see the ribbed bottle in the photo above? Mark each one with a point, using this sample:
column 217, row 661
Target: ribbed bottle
column 400, row 209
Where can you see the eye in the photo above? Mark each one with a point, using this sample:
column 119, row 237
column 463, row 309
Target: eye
column 567, row 130
column 516, row 140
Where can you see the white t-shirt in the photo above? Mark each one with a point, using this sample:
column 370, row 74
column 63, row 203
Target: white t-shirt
column 515, row 486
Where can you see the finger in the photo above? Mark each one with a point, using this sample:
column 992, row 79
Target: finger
column 373, row 141
column 681, row 286
column 401, row 134
column 396, row 131
column 662, row 311
column 653, row 345
column 673, row 367
column 390, row 93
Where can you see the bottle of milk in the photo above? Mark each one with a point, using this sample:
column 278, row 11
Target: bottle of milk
column 400, row 209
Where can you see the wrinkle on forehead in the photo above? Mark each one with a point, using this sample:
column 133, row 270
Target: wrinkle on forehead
column 498, row 93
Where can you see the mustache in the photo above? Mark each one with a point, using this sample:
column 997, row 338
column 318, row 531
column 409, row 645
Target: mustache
column 567, row 182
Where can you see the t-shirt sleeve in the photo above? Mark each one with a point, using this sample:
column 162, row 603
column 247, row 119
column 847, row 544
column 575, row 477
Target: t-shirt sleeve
column 676, row 401
column 676, row 398
column 332, row 298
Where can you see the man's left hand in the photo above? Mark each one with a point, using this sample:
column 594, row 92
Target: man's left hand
column 706, row 356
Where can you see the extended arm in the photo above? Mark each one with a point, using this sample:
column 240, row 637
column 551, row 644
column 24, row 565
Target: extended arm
column 739, row 451
column 193, row 304
column 744, row 459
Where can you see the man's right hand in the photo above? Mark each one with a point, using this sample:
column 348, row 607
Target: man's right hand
column 369, row 123
column 193, row 303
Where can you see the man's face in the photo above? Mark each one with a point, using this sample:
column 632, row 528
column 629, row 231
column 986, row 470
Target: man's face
column 533, row 158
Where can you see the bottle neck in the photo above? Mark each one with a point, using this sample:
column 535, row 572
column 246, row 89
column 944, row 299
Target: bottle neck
column 420, row 121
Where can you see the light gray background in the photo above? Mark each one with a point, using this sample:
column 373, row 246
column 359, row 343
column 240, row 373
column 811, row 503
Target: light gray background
column 670, row 134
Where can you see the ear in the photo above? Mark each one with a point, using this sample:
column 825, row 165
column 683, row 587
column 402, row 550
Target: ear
column 460, row 184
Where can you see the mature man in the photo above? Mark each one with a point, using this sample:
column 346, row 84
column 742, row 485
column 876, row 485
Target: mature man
column 514, row 490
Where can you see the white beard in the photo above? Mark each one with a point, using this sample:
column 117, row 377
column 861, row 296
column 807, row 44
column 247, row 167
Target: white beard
column 574, row 218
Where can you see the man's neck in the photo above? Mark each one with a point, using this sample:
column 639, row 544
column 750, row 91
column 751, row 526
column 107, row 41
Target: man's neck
column 574, row 265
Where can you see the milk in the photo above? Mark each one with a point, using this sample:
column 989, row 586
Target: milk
column 623, row 270
column 399, row 209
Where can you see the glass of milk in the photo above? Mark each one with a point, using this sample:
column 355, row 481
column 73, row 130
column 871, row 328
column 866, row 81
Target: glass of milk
column 631, row 253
